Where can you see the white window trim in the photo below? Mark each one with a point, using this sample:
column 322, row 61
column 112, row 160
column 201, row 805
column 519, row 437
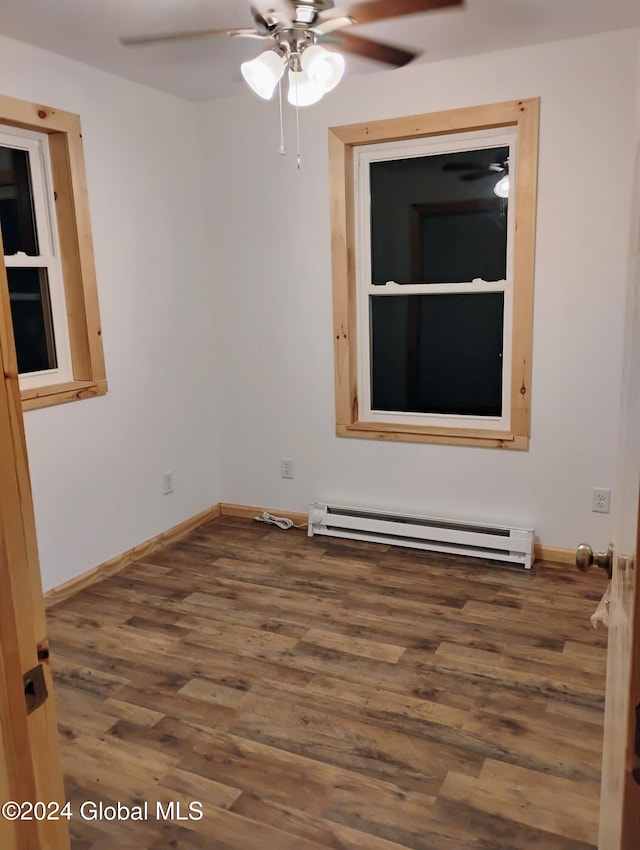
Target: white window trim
column 389, row 151
column 37, row 147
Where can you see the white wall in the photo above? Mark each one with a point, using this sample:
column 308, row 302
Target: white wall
column 96, row 465
column 257, row 302
column 270, row 253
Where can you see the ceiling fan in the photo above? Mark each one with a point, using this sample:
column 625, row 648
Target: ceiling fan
column 478, row 171
column 291, row 30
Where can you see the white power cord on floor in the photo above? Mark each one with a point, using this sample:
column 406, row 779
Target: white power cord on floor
column 280, row 521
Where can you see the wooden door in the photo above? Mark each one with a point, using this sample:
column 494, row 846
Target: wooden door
column 620, row 797
column 29, row 752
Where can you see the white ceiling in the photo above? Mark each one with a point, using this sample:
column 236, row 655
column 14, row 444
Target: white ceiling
column 89, row 31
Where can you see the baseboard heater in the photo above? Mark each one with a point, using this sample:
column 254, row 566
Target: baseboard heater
column 495, row 542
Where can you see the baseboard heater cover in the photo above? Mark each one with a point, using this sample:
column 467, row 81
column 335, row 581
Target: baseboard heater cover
column 479, row 540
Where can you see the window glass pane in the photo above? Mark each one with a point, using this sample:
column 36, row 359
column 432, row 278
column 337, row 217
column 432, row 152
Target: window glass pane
column 17, row 217
column 437, row 353
column 32, row 323
column 437, row 219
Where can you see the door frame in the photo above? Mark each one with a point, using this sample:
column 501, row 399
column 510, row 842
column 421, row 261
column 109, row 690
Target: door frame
column 29, row 741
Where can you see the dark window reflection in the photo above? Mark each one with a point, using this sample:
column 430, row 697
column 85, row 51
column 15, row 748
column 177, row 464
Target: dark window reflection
column 437, row 219
column 32, row 322
column 16, row 203
column 437, row 353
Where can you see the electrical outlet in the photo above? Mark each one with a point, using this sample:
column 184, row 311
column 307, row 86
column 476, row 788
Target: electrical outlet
column 167, row 483
column 286, row 467
column 600, row 500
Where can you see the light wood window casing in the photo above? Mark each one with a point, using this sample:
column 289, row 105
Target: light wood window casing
column 76, row 253
column 344, row 141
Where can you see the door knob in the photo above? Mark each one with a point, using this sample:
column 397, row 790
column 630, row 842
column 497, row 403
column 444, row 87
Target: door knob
column 585, row 557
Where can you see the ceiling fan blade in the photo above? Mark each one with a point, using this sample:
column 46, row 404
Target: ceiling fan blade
column 477, row 176
column 463, row 166
column 179, row 36
column 271, row 13
column 370, row 11
column 332, row 24
column 349, row 43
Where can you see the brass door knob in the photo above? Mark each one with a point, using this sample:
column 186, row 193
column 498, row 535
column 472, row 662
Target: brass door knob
column 586, row 557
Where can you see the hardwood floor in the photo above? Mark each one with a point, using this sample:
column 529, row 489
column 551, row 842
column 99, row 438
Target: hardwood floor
column 318, row 694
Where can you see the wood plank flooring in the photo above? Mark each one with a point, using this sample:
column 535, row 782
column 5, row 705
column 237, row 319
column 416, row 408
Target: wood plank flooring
column 315, row 694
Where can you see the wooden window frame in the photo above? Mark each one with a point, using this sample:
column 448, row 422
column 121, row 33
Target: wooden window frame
column 76, row 253
column 522, row 114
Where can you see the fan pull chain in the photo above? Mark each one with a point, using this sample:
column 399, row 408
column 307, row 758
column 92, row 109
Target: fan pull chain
column 295, row 77
column 282, row 150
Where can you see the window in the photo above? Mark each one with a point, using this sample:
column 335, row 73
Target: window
column 31, row 258
column 50, row 296
column 433, row 229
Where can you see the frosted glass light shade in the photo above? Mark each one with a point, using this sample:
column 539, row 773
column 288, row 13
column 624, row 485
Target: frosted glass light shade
column 303, row 91
column 322, row 66
column 501, row 188
column 262, row 73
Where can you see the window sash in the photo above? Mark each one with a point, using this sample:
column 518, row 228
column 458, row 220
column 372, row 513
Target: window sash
column 37, row 147
column 363, row 157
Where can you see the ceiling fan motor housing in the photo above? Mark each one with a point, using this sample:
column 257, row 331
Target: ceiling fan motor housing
column 307, row 11
column 303, row 12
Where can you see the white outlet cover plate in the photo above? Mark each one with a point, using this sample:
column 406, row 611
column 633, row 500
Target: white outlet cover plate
column 601, row 500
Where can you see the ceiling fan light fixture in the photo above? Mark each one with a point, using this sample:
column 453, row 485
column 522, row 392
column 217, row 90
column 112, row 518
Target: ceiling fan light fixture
column 303, row 91
column 501, row 189
column 323, row 66
column 263, row 73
